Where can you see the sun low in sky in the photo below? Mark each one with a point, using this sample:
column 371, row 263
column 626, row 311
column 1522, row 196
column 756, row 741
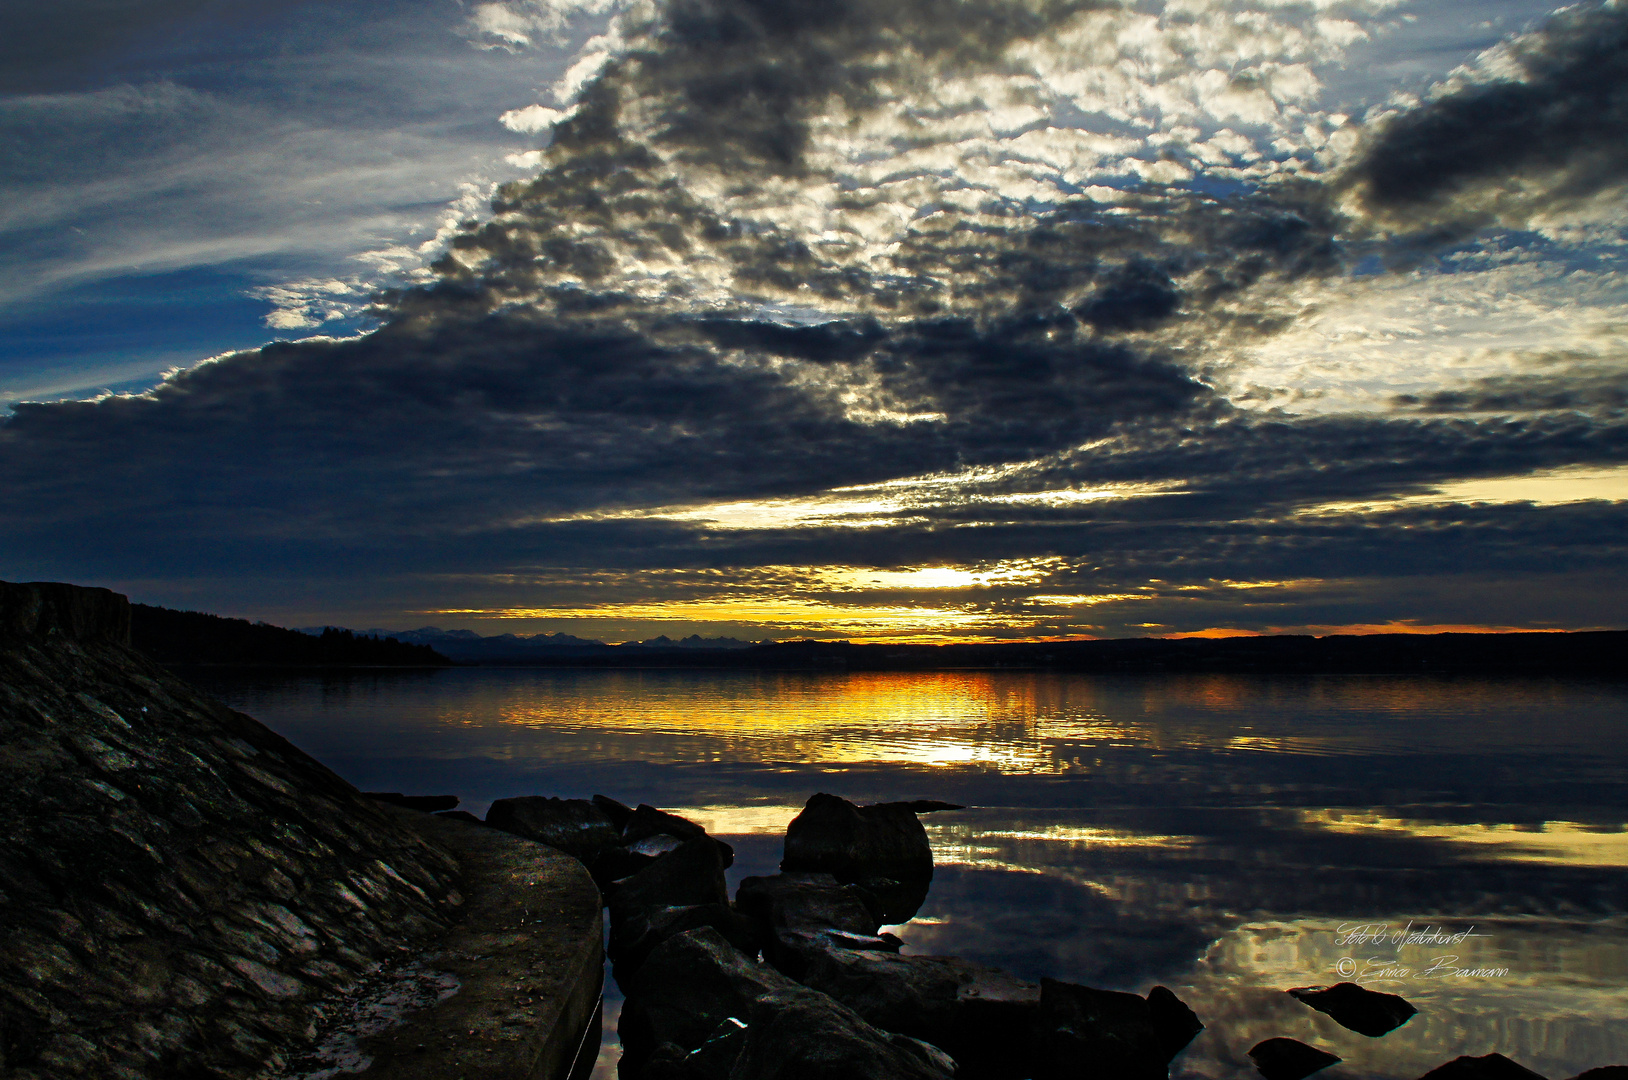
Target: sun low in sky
column 875, row 319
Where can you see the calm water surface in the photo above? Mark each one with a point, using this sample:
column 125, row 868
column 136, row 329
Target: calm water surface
column 1229, row 837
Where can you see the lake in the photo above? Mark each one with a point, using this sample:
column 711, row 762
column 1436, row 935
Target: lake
column 1459, row 841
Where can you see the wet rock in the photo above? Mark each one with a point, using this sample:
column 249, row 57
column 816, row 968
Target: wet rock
column 617, row 863
column 798, row 914
column 180, row 883
column 639, row 932
column 1289, row 1059
column 430, row 804
column 690, row 875
column 575, row 826
column 1176, row 1023
column 715, row 1058
column 1106, row 1034
column 1489, row 1067
column 1367, row 1012
column 617, row 812
column 807, row 901
column 929, row 806
column 669, row 1061
column 646, row 823
column 803, row 1035
column 689, row 985
column 970, row 1010
column 460, row 815
column 884, row 846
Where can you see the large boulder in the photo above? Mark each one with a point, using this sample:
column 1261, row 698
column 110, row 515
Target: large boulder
column 882, row 847
column 575, row 826
column 1488, row 1067
column 689, row 985
column 803, row 1035
column 690, row 874
column 1289, row 1059
column 645, row 821
column 980, row 1015
column 618, row 812
column 1365, row 1011
column 1109, row 1035
column 638, row 932
column 645, row 834
column 798, row 915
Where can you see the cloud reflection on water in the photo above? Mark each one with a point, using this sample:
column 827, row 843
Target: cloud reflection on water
column 1211, row 833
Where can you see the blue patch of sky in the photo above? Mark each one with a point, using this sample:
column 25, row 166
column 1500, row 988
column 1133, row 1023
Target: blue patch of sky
column 200, row 150
column 122, row 333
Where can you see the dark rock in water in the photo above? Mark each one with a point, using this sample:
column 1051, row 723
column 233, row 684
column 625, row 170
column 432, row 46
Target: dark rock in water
column 715, row 1058
column 1176, row 1023
column 804, row 1035
column 181, row 884
column 614, row 864
column 460, row 815
column 617, row 812
column 800, row 913
column 575, row 826
column 654, row 847
column 1105, row 1034
column 831, row 835
column 669, row 1061
column 896, row 900
column 884, row 842
column 1604, row 1072
column 646, row 822
column 791, row 951
column 1289, row 1059
column 430, row 804
column 690, row 875
column 1489, row 1067
column 688, row 985
column 634, row 937
column 970, row 1010
column 1365, row 1011
column 806, row 901
column 929, row 806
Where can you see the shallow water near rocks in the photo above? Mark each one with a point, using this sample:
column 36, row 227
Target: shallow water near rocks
column 1458, row 841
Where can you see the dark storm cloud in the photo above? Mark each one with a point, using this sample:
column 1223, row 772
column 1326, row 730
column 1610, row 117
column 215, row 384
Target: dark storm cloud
column 1573, row 383
column 501, row 418
column 736, row 83
column 1505, row 149
column 611, row 339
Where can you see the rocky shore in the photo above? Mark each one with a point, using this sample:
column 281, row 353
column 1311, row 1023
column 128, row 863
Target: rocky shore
column 184, row 893
column 187, row 895
column 833, row 997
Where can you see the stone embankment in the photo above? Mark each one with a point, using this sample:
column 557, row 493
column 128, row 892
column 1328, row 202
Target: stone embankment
column 185, row 894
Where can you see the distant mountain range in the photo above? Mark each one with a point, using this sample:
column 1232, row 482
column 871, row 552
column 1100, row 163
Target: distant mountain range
column 195, row 637
column 469, row 647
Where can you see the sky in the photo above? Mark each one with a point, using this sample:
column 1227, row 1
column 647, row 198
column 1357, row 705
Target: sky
column 922, row 320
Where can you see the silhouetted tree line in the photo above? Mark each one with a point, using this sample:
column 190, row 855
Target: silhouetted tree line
column 191, row 637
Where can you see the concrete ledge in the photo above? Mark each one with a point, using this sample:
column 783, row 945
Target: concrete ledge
column 528, row 953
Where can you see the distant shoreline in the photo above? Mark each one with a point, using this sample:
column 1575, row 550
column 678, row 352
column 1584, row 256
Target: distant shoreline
column 1591, row 653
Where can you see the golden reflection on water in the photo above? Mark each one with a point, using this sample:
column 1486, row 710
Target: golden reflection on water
column 1560, row 843
column 1007, row 722
column 1210, row 834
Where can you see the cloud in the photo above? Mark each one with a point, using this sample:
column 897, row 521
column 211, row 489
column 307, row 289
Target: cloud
column 795, row 264
column 1540, row 127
